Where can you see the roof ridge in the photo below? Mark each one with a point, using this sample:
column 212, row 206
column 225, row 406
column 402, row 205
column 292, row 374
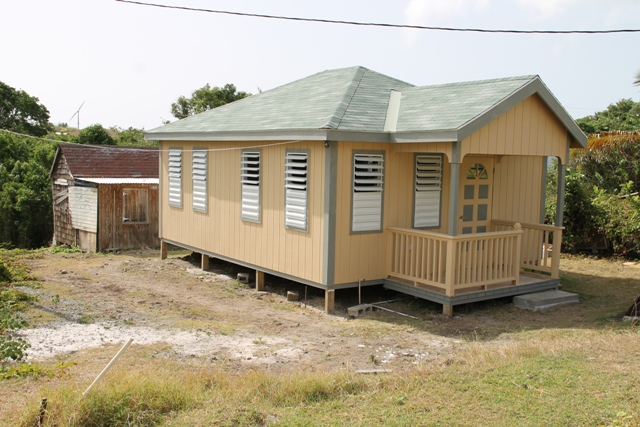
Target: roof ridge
column 501, row 79
column 346, row 99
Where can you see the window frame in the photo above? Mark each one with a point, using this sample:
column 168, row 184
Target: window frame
column 258, row 217
column 197, row 178
column 306, row 153
column 380, row 154
column 415, row 190
column 138, row 190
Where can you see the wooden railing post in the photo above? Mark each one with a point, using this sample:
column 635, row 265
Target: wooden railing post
column 450, row 272
column 516, row 255
column 555, row 253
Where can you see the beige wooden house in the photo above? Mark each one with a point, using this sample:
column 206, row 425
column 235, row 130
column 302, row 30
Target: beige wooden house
column 350, row 177
column 105, row 198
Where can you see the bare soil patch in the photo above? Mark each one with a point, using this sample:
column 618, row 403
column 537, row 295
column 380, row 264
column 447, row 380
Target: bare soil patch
column 97, row 300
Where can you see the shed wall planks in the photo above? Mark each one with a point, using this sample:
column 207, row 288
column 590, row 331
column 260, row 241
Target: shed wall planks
column 62, row 229
column 113, row 232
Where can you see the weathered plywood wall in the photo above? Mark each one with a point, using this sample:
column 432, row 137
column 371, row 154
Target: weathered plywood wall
column 83, row 203
column 220, row 230
column 113, row 232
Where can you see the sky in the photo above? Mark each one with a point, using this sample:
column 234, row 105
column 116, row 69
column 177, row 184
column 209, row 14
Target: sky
column 128, row 62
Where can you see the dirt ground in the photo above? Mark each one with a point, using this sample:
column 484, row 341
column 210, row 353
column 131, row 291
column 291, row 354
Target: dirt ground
column 97, row 300
column 178, row 311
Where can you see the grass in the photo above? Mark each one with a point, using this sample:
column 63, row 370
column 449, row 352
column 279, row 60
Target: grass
column 547, row 377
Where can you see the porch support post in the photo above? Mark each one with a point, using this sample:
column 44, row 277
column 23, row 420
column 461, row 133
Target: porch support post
column 454, row 188
column 562, row 171
column 260, row 285
column 329, row 301
column 204, row 262
column 447, row 310
column 163, row 249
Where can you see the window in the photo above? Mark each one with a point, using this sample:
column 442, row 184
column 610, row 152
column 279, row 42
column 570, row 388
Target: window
column 199, row 179
column 175, row 177
column 368, row 181
column 135, row 204
column 427, row 190
column 250, row 179
column 296, row 168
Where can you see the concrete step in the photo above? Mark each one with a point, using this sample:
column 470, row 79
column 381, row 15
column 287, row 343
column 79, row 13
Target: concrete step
column 546, row 299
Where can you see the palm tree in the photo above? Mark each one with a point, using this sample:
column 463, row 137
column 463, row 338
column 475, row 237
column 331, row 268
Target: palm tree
column 637, row 82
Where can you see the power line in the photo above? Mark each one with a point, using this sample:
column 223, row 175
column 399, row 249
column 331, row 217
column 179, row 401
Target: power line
column 378, row 24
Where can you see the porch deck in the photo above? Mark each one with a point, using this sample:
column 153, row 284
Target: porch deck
column 528, row 283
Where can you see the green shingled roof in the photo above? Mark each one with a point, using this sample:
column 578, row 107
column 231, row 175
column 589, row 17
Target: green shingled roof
column 348, row 98
column 356, row 99
column 451, row 106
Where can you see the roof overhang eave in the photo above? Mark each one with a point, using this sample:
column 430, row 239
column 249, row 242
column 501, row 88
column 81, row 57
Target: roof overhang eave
column 274, row 135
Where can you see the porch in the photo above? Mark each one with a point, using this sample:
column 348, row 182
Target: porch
column 511, row 259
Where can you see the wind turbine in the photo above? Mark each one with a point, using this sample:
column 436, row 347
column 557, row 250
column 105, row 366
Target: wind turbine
column 77, row 113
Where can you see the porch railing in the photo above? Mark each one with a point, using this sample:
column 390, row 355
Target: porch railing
column 454, row 262
column 540, row 246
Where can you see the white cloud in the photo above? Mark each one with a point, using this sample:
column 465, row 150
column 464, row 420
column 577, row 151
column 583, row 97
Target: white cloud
column 430, row 12
column 420, row 11
column 550, row 8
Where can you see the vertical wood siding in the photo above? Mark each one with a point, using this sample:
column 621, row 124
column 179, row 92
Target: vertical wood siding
column 528, row 129
column 220, row 230
column 517, row 189
column 364, row 255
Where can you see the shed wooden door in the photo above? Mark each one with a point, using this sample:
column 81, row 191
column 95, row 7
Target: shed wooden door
column 476, row 193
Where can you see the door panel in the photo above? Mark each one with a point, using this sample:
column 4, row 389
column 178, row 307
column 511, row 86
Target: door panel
column 476, row 188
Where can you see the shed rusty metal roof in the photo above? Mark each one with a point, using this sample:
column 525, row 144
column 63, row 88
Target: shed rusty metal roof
column 101, row 161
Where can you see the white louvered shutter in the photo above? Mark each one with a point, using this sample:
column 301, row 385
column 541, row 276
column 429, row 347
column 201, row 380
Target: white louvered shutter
column 199, row 180
column 368, row 179
column 175, row 177
column 296, row 190
column 428, row 187
column 250, row 178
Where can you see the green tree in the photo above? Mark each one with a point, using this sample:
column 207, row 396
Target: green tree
column 25, row 191
column 637, row 81
column 94, row 135
column 22, row 113
column 132, row 137
column 623, row 115
column 204, row 99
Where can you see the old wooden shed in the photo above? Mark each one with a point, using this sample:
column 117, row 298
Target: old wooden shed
column 105, row 197
column 350, row 177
